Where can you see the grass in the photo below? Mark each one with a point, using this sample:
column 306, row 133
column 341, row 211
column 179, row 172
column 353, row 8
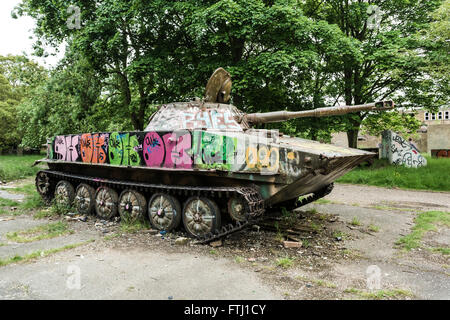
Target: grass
column 18, row 167
column 32, row 200
column 239, row 259
column 381, row 294
column 425, row 222
column 444, row 251
column 318, row 282
column 374, row 228
column 133, row 227
column 285, row 262
column 47, row 231
column 355, row 222
column 383, row 174
column 40, row 254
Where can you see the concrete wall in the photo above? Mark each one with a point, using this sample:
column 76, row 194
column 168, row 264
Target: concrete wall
column 438, row 137
column 398, row 151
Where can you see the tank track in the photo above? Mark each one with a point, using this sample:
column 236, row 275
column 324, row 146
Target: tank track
column 253, row 199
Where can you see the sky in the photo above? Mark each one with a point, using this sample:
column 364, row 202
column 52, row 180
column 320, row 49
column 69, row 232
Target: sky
column 15, row 35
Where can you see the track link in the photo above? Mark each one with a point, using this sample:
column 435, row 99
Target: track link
column 254, row 202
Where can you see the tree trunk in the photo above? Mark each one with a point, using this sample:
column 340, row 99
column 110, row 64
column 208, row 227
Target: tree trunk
column 352, row 137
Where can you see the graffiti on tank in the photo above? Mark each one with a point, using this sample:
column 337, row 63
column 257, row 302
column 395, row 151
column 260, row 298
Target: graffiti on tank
column 93, row 147
column 213, row 151
column 211, row 118
column 122, row 151
column 50, row 148
column 66, row 148
column 440, row 153
column 177, row 145
column 290, row 163
column 263, row 158
column 153, row 150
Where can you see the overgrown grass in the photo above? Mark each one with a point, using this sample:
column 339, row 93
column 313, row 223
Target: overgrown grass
column 47, row 231
column 381, row 294
column 425, row 222
column 18, row 167
column 40, row 254
column 383, row 174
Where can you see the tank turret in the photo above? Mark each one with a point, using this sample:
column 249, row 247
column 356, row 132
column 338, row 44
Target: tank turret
column 277, row 116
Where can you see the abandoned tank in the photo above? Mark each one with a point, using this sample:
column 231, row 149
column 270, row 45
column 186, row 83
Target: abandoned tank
column 199, row 164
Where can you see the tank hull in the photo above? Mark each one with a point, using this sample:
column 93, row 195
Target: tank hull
column 281, row 168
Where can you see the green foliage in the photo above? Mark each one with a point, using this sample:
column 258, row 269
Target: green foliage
column 384, row 174
column 129, row 56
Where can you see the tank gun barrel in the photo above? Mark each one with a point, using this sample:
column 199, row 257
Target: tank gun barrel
column 278, row 116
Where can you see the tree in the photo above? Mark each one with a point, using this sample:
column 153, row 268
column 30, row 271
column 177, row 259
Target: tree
column 18, row 77
column 391, row 59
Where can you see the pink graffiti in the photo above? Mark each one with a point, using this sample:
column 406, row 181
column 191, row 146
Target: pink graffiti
column 65, row 148
column 153, row 149
column 176, row 151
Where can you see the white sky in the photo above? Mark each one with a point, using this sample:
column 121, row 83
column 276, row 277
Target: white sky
column 15, row 35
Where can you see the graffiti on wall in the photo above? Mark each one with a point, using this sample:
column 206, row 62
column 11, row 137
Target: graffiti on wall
column 400, row 152
column 440, row 153
column 123, row 149
column 66, row 148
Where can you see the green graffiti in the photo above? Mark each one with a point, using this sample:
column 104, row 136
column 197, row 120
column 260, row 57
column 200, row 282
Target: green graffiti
column 50, row 148
column 213, row 151
column 122, row 150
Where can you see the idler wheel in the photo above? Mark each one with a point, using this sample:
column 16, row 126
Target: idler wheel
column 43, row 185
column 237, row 209
column 201, row 216
column 164, row 212
column 132, row 206
column 106, row 203
column 64, row 193
column 84, row 199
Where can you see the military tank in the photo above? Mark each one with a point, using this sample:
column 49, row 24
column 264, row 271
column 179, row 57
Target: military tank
column 200, row 164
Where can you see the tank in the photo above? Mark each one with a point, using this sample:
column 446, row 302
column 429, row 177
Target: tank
column 198, row 164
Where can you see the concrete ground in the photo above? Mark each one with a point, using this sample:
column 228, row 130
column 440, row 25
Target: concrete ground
column 117, row 265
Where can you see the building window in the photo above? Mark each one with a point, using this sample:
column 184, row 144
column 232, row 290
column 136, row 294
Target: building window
column 447, row 116
column 440, row 115
column 427, row 116
column 433, row 116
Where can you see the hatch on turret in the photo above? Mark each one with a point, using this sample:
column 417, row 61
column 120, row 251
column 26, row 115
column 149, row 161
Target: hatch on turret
column 196, row 115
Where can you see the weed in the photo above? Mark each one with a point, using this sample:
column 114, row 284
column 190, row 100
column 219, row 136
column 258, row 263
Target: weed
column 374, row 228
column 425, row 222
column 285, row 262
column 239, row 259
column 355, row 222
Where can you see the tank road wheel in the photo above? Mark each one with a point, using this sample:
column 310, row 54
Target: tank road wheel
column 64, row 193
column 106, row 203
column 85, row 199
column 43, row 185
column 201, row 216
column 237, row 209
column 132, row 206
column 164, row 212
